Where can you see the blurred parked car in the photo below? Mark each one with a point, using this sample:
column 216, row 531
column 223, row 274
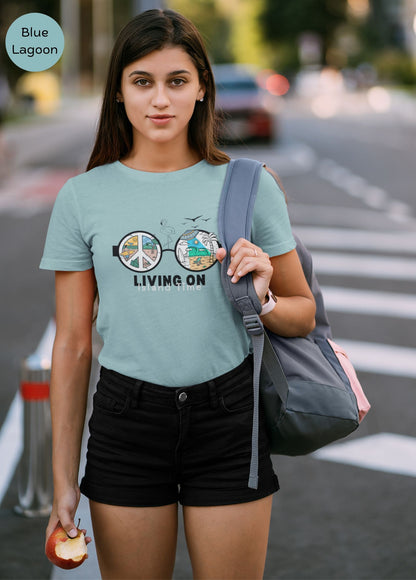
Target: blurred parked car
column 243, row 105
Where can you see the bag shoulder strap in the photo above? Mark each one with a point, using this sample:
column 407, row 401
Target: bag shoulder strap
column 235, row 216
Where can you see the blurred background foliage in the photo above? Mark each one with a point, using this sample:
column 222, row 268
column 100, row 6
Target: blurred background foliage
column 286, row 36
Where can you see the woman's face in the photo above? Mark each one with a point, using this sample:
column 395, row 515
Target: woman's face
column 159, row 92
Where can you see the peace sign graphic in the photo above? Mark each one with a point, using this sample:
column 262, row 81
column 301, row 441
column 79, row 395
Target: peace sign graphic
column 139, row 251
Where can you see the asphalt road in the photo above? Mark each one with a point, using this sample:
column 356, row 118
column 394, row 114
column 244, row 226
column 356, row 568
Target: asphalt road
column 349, row 182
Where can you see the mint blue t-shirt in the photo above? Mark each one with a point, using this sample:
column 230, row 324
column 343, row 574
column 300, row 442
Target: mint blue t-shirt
column 151, row 239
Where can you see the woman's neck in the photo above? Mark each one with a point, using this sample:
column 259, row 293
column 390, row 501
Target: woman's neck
column 158, row 158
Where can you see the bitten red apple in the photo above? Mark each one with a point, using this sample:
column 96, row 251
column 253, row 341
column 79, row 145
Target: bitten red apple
column 64, row 551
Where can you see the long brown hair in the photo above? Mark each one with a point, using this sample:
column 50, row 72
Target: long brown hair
column 149, row 31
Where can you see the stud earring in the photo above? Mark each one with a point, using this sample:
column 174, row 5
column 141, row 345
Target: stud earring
column 201, row 100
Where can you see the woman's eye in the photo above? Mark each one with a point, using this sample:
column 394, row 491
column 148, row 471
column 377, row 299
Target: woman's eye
column 142, row 82
column 178, row 82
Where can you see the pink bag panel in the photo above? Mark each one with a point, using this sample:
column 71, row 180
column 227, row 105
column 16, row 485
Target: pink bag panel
column 362, row 401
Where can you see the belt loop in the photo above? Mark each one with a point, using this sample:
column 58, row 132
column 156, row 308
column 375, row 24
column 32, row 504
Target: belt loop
column 213, row 394
column 136, row 392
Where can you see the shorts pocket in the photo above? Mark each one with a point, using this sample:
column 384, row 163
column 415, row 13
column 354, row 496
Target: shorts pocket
column 239, row 399
column 107, row 402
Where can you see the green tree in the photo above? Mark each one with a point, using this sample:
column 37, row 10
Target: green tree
column 246, row 37
column 381, row 30
column 213, row 25
column 283, row 21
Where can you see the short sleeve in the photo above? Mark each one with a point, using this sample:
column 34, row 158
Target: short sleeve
column 271, row 229
column 65, row 247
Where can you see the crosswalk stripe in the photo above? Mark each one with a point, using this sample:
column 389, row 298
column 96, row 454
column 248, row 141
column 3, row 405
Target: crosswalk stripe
column 358, row 240
column 378, row 358
column 368, row 302
column 343, row 216
column 365, row 266
column 387, row 452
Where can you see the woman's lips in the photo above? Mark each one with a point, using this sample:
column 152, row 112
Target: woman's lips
column 160, row 119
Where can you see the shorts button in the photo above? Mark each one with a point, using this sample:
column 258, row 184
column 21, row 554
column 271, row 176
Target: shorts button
column 182, row 397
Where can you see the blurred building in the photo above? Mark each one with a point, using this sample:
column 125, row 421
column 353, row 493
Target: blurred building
column 89, row 27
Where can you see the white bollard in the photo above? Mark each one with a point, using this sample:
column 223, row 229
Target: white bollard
column 35, row 487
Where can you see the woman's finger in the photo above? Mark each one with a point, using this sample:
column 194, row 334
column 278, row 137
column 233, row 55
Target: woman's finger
column 241, row 251
column 245, row 258
column 259, row 266
column 220, row 255
column 243, row 244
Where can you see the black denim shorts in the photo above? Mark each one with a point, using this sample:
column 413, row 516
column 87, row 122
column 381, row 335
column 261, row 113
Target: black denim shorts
column 152, row 445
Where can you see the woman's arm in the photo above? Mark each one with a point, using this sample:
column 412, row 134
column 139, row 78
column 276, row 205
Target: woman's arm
column 294, row 313
column 71, row 365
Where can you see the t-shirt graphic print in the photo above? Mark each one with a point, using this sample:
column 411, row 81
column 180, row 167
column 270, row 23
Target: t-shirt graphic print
column 141, row 251
column 152, row 240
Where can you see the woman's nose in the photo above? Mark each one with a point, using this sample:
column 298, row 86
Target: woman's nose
column 160, row 97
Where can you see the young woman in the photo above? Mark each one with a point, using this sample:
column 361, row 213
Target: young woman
column 172, row 413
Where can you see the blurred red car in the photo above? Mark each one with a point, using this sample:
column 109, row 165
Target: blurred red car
column 242, row 105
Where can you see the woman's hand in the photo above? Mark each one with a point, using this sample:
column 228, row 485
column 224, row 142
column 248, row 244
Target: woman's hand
column 294, row 314
column 63, row 511
column 247, row 257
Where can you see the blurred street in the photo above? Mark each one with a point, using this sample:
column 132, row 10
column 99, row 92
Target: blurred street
column 346, row 512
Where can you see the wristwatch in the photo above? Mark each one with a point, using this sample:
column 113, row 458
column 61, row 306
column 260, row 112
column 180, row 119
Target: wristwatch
column 270, row 304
